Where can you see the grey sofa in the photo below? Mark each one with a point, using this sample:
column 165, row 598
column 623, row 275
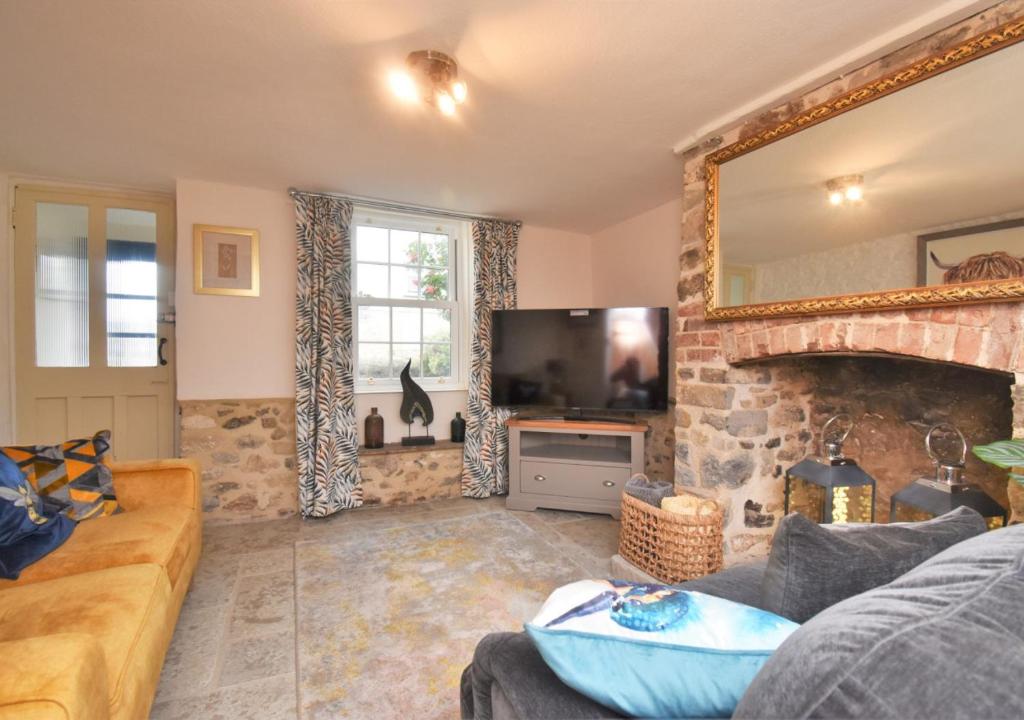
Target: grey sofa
column 944, row 640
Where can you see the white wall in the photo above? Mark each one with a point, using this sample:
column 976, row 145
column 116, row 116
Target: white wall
column 6, row 313
column 232, row 347
column 636, row 263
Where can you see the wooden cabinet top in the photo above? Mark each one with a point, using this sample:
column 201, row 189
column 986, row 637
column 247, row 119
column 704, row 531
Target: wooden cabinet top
column 579, row 426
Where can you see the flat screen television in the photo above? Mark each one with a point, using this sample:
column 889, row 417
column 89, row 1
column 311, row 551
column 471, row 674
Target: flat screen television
column 590, row 359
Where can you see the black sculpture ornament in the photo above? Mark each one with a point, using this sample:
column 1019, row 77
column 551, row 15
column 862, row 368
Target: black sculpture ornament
column 415, row 404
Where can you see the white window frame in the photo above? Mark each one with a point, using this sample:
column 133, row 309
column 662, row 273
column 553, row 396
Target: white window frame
column 460, row 266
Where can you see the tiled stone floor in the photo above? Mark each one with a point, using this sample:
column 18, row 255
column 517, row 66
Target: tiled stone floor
column 233, row 652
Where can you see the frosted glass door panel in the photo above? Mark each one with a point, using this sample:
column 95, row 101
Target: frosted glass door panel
column 62, row 285
column 131, row 288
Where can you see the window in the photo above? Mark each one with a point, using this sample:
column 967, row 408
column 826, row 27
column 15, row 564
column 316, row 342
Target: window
column 406, row 300
column 131, row 288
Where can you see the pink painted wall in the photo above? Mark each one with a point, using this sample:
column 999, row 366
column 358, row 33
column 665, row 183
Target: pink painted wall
column 554, row 268
column 636, row 262
column 244, row 348
column 237, row 347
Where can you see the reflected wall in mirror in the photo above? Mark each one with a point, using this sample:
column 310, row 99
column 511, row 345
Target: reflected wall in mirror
column 879, row 198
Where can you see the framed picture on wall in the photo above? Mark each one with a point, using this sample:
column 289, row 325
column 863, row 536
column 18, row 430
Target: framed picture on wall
column 226, row 260
column 993, row 251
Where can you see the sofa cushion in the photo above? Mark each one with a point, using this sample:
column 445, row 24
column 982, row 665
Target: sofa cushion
column 27, row 531
column 944, row 640
column 126, row 610
column 812, row 567
column 72, row 478
column 613, row 641
column 511, row 662
column 161, row 535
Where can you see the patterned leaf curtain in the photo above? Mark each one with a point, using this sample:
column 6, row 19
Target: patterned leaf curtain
column 325, row 418
column 485, row 456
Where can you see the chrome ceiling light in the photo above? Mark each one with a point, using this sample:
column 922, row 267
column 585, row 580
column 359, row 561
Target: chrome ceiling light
column 430, row 76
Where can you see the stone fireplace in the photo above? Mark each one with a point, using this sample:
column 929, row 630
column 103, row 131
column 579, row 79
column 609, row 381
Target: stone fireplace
column 752, row 395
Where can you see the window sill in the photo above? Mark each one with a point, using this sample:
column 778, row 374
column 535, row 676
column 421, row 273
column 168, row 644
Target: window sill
column 397, row 389
column 398, row 448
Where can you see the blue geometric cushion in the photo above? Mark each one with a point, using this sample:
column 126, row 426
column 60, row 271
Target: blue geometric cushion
column 653, row 650
column 27, row 531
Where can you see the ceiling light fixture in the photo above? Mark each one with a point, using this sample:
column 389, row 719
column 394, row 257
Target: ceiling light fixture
column 848, row 188
column 430, row 76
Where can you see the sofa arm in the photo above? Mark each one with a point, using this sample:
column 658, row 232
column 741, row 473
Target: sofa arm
column 58, row 677
column 142, row 483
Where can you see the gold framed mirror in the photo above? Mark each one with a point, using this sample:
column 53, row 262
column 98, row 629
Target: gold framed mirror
column 906, row 191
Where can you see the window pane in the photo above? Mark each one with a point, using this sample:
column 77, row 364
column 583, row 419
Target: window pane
column 434, row 284
column 405, row 283
column 407, row 324
column 405, row 247
column 437, row 326
column 371, row 244
column 131, row 288
column 437, row 360
column 435, row 250
column 403, row 354
column 373, row 280
column 62, row 285
column 374, row 323
column 374, row 360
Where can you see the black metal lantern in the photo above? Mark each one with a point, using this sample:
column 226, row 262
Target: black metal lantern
column 832, row 489
column 930, row 497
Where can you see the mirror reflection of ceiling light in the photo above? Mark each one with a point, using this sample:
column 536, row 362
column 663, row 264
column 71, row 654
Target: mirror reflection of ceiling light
column 432, row 77
column 845, row 189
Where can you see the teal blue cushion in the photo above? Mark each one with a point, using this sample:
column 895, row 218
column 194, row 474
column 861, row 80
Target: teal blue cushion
column 653, row 650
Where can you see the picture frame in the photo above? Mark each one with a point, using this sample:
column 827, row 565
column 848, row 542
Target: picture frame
column 952, row 251
column 226, row 260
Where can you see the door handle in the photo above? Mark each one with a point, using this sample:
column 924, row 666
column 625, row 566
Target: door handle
column 609, row 483
column 160, row 351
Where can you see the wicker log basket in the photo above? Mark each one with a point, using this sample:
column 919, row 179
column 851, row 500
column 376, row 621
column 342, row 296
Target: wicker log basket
column 667, row 545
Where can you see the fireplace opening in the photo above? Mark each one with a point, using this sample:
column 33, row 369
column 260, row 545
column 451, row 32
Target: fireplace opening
column 894, row 402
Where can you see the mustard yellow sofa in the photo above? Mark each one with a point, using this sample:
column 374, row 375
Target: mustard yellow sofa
column 84, row 631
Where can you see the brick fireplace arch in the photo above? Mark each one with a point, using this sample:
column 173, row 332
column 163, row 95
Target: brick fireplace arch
column 985, row 336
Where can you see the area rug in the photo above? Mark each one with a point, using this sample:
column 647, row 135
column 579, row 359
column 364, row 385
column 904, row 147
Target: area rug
column 388, row 619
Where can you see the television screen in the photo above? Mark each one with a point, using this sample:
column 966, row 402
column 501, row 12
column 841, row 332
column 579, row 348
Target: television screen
column 607, row 358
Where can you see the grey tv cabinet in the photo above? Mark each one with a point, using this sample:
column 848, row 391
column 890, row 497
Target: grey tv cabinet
column 572, row 465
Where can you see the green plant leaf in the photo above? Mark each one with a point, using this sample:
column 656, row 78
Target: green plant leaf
column 1003, row 453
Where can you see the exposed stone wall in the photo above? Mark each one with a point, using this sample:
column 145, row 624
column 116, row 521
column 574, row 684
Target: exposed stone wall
column 737, row 427
column 399, row 475
column 246, row 449
column 659, row 446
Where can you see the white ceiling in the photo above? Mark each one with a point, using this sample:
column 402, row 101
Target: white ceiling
column 944, row 152
column 573, row 110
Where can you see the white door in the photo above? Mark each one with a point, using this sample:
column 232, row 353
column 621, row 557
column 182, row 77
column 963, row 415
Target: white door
column 93, row 276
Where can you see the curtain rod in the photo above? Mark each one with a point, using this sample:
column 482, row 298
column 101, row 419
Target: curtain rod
column 401, row 207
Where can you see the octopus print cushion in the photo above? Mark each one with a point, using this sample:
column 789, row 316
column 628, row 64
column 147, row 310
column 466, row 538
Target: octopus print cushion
column 653, row 650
